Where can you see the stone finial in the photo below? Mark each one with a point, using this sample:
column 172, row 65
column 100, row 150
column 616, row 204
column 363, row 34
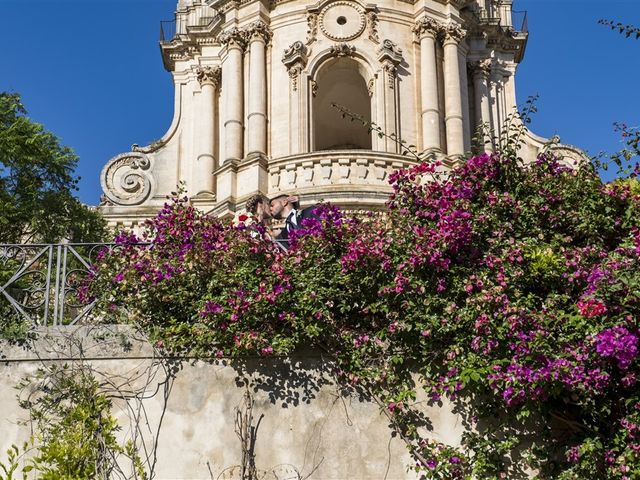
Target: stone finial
column 257, row 30
column 454, row 32
column 208, row 75
column 428, row 26
column 233, row 37
column 342, row 50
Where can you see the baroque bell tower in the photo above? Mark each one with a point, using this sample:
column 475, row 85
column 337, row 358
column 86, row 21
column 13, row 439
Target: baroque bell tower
column 256, row 82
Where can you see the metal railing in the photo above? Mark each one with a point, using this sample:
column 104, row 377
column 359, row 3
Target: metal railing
column 167, row 30
column 39, row 282
column 520, row 21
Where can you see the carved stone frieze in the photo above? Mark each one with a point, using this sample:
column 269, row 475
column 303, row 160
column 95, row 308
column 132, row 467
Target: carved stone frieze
column 209, row 75
column 127, row 179
column 342, row 50
column 257, row 30
column 233, row 37
column 314, row 88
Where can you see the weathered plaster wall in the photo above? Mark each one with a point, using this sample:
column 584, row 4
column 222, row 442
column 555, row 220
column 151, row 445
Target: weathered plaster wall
column 306, row 425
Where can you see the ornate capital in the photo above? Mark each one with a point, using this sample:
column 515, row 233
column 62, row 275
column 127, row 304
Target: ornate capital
column 233, row 37
column 428, row 26
column 257, row 30
column 481, row 67
column 454, row 32
column 295, row 59
column 209, row 75
column 342, row 50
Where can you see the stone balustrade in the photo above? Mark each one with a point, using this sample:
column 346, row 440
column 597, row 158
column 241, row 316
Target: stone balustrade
column 336, row 171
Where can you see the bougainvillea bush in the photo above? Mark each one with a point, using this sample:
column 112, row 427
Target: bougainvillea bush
column 513, row 291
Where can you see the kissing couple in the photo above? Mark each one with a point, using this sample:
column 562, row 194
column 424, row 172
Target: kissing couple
column 281, row 207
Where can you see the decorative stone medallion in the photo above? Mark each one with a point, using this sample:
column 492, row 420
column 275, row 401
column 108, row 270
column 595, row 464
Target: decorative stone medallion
column 342, row 21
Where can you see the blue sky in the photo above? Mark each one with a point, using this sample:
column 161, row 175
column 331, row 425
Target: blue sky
column 91, row 72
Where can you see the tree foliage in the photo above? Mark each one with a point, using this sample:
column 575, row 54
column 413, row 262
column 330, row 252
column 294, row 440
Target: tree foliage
column 37, row 182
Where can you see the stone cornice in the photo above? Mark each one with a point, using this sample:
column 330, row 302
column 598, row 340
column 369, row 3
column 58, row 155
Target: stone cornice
column 456, row 3
column 178, row 49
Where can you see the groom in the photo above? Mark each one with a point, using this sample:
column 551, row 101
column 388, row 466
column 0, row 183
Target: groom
column 286, row 207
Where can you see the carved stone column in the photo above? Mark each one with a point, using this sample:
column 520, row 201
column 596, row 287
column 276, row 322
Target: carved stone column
column 453, row 35
column 390, row 56
column 295, row 60
column 481, row 70
column 202, row 172
column 232, row 84
column 428, row 30
column 258, row 34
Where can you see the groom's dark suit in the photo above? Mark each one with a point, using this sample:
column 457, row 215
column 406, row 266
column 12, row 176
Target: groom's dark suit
column 294, row 222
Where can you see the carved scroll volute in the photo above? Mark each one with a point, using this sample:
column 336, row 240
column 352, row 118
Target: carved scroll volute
column 390, row 56
column 127, row 180
column 295, row 59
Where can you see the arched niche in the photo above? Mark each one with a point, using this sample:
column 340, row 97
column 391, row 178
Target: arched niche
column 342, row 81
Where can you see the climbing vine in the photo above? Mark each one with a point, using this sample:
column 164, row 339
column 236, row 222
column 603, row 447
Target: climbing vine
column 512, row 290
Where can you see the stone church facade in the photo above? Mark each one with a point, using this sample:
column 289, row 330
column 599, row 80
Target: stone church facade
column 256, row 82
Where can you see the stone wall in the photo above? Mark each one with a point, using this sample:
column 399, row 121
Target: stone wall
column 305, row 426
